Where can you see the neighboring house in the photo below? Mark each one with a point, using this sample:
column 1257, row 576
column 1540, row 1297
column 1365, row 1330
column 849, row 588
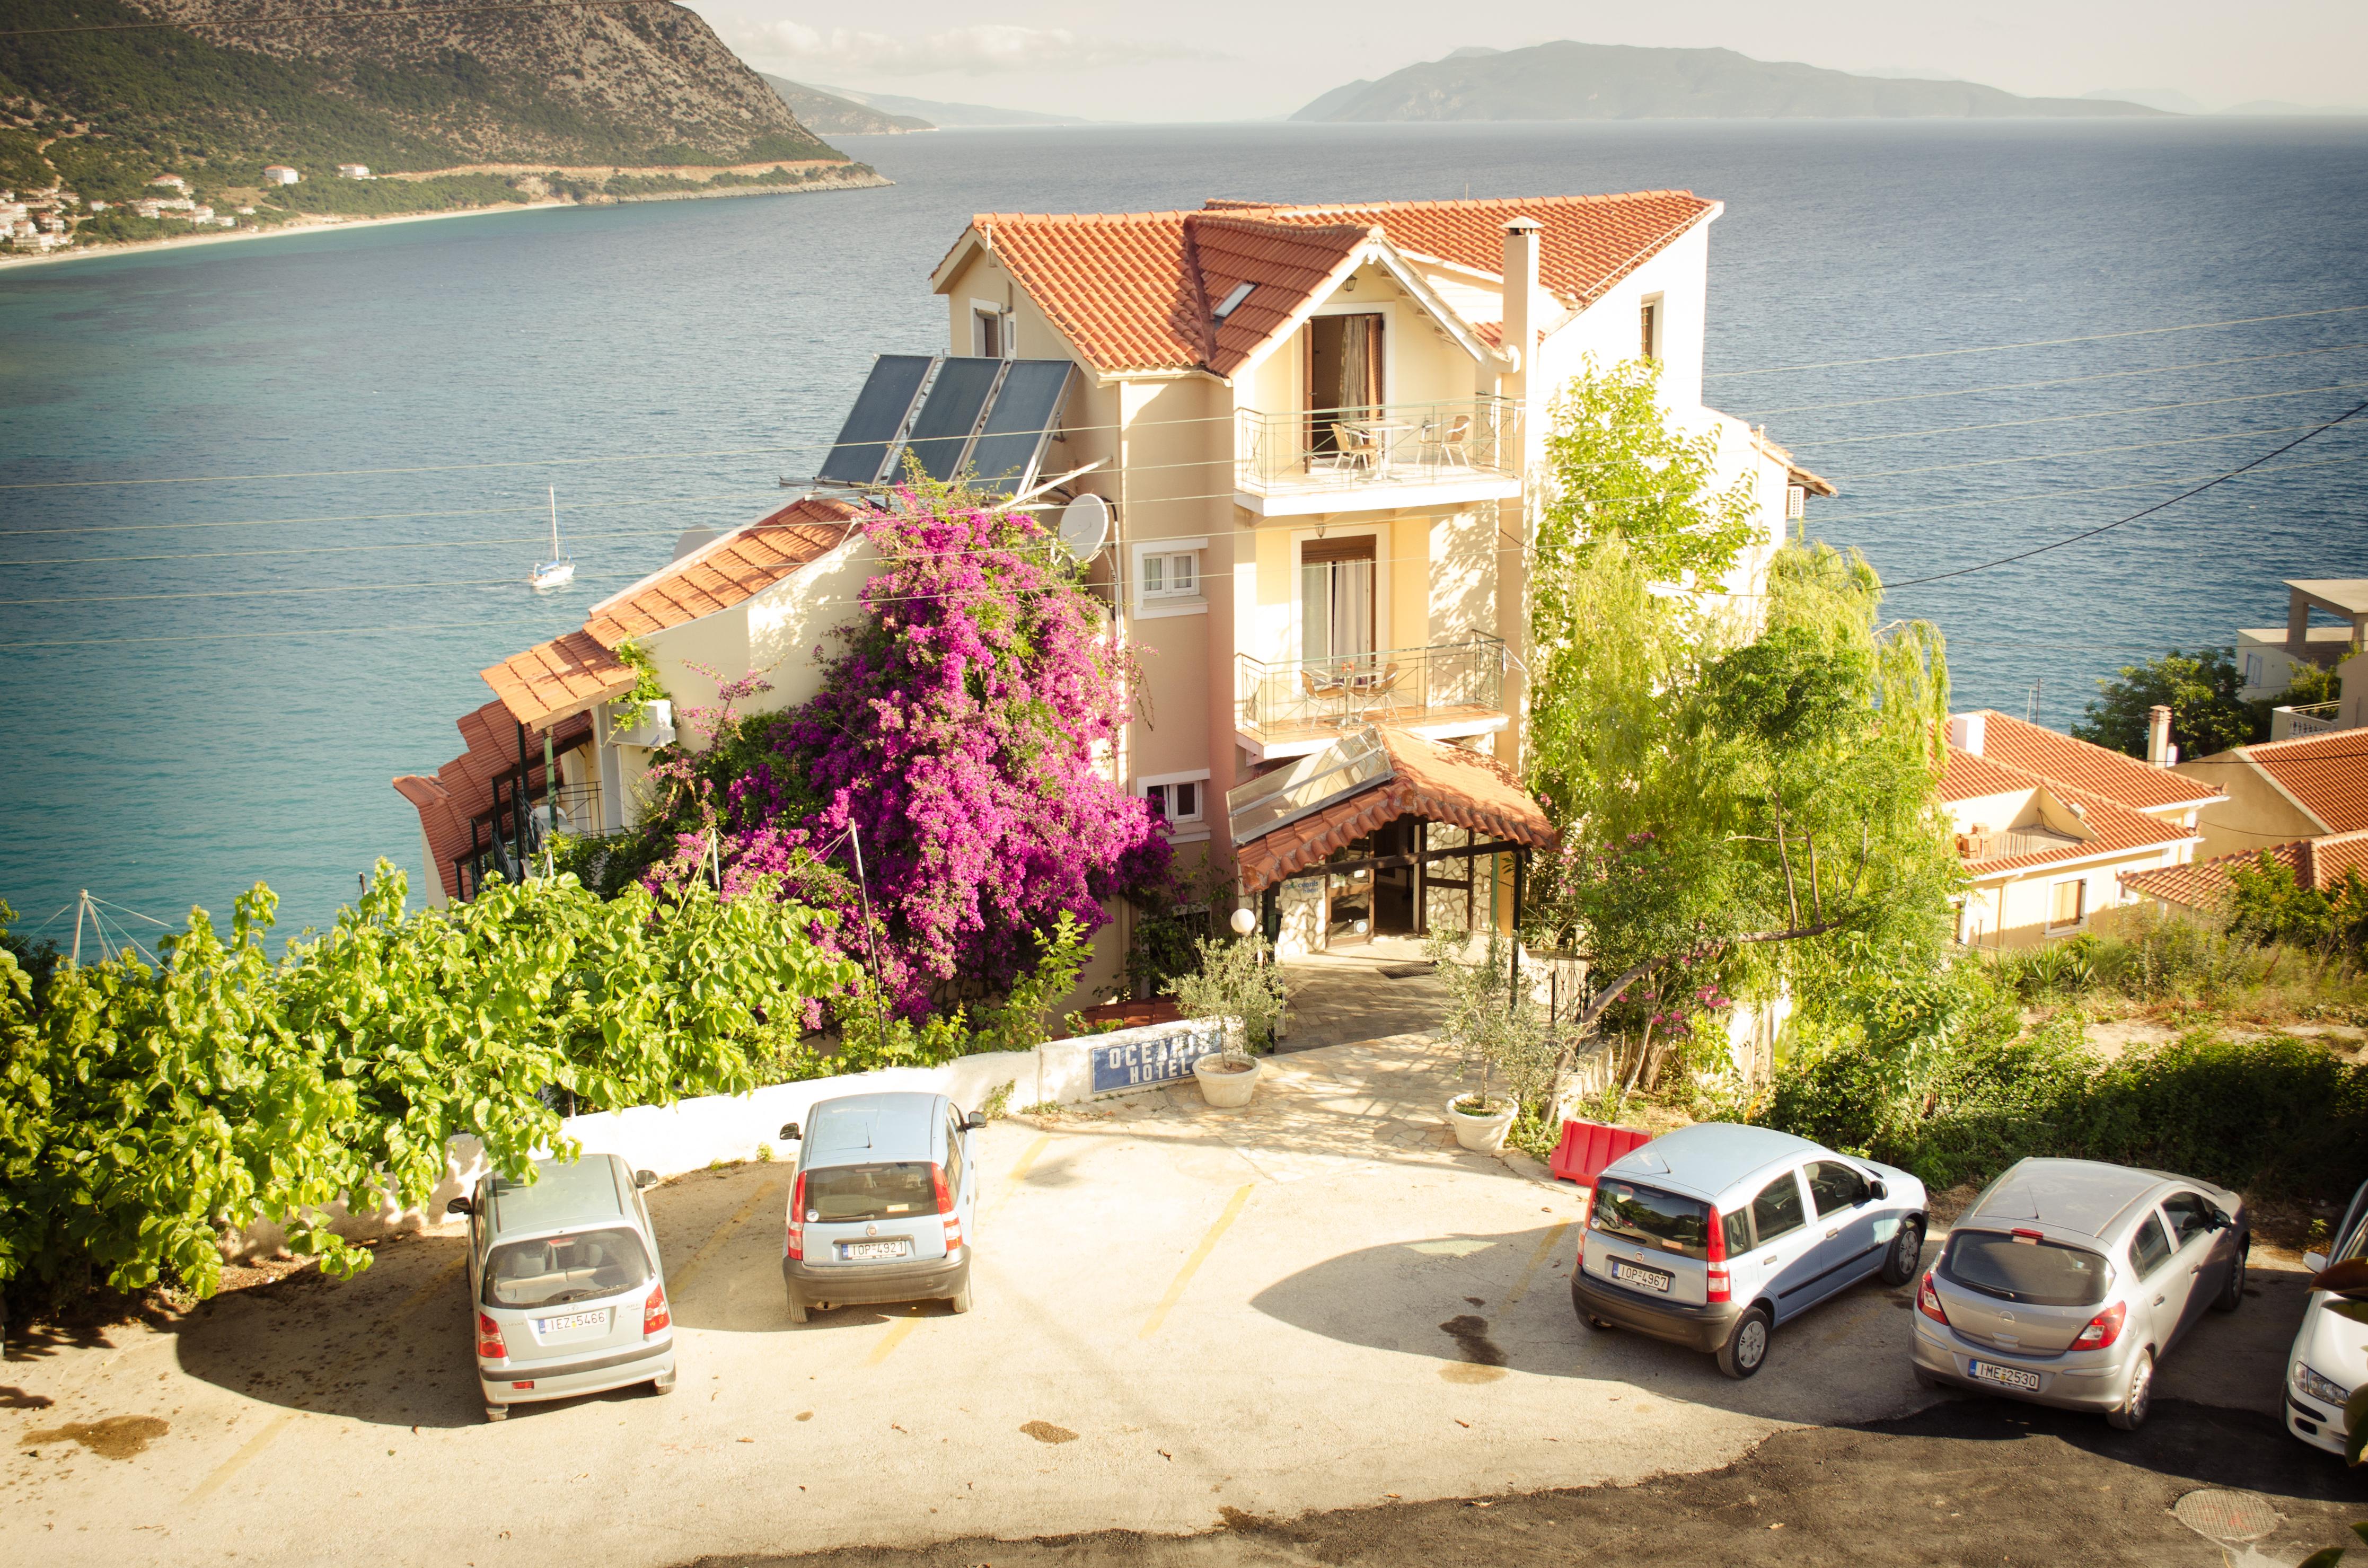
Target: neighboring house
column 2283, row 790
column 280, row 174
column 174, row 181
column 353, row 171
column 2200, row 888
column 2046, row 825
column 2270, row 658
column 1318, row 430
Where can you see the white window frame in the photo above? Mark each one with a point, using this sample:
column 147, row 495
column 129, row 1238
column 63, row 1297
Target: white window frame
column 1190, row 829
column 2078, row 920
column 1384, row 628
column 1150, row 606
column 1002, row 329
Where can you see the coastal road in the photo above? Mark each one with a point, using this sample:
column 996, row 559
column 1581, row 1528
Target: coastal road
column 1314, row 1332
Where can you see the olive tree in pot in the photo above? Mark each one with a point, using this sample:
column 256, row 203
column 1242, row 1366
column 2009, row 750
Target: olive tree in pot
column 1500, row 1027
column 1239, row 984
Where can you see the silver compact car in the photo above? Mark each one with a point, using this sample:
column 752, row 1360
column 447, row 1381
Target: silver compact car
column 1712, row 1235
column 564, row 1279
column 885, row 1204
column 2067, row 1281
column 2329, row 1357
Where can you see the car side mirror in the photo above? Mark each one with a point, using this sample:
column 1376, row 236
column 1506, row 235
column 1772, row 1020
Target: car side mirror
column 2217, row 1220
column 1877, row 1191
column 974, row 1121
column 790, row 1133
column 2315, row 1261
column 645, row 1179
column 460, row 1205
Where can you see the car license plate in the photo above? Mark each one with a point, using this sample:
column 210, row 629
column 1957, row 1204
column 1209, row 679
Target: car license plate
column 1651, row 1279
column 571, row 1320
column 865, row 1252
column 2012, row 1377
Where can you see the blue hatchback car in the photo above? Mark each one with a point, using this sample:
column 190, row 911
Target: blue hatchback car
column 883, row 1204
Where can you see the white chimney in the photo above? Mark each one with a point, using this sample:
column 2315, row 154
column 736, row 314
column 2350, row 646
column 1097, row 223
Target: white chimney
column 2158, row 748
column 1521, row 312
column 1965, row 731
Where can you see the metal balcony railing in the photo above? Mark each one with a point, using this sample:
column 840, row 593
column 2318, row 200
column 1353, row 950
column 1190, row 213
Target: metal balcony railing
column 1303, row 698
column 2013, row 843
column 2292, row 722
column 1385, row 444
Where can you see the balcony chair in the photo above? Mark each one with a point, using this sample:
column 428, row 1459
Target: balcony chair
column 1354, row 447
column 1451, row 438
column 1326, row 689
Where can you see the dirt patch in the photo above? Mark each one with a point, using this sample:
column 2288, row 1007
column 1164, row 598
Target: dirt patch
column 1045, row 1432
column 112, row 1438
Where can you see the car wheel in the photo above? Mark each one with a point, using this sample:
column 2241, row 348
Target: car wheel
column 1746, row 1351
column 497, row 1413
column 959, row 1299
column 1906, row 1252
column 662, row 1385
column 2140, row 1399
column 2232, row 1294
column 797, row 1306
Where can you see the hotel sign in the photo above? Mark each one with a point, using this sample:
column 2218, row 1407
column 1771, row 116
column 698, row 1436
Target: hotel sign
column 1152, row 1054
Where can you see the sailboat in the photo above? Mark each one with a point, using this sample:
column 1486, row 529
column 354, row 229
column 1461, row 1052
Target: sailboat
column 560, row 570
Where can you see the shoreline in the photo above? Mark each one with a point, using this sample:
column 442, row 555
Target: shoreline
column 320, row 223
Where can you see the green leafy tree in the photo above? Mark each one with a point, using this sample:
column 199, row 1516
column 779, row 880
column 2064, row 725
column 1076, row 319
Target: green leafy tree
column 2200, row 689
column 1238, row 981
column 1614, row 465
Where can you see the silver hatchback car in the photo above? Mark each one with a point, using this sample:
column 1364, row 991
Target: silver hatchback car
column 885, row 1203
column 2067, row 1279
column 563, row 1276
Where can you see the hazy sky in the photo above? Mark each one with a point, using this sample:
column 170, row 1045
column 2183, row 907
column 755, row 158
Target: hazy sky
column 1252, row 59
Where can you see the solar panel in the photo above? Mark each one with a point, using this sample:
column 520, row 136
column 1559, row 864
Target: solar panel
column 1011, row 442
column 867, row 439
column 1350, row 764
column 942, row 431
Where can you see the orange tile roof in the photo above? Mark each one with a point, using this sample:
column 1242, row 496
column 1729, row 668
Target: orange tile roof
column 1442, row 783
column 462, row 789
column 1965, row 777
column 2326, row 773
column 729, row 571
column 1135, row 290
column 2112, row 826
column 567, row 675
column 2060, row 759
column 2199, row 885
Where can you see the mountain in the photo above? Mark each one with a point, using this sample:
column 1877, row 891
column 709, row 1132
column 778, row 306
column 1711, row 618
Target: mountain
column 830, row 115
column 1589, row 81
column 954, row 117
column 2171, row 100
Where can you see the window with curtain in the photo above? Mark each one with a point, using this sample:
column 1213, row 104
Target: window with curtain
column 1336, row 597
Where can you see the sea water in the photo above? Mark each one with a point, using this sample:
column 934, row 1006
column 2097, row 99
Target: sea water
column 270, row 505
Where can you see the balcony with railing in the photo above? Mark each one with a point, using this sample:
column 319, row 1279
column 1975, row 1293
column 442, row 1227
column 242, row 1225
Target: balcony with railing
column 1443, row 691
column 2292, row 722
column 1399, row 454
column 2012, row 843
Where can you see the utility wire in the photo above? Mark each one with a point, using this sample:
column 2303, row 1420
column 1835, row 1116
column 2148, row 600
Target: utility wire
column 2073, row 452
column 2091, row 533
column 2091, row 413
column 2034, row 343
column 2053, row 381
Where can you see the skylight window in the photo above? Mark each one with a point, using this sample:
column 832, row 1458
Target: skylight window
column 1233, row 301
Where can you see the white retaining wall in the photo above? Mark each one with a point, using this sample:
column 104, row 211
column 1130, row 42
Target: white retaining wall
column 692, row 1134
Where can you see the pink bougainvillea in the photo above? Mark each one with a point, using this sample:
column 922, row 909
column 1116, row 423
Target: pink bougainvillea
column 957, row 735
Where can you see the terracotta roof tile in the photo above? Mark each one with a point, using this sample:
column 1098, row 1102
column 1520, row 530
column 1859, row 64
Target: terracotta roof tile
column 2060, row 759
column 2328, row 773
column 567, row 675
column 1135, row 290
column 1965, row 777
column 1429, row 779
column 2199, row 885
column 462, row 789
column 725, row 573
column 2112, row 826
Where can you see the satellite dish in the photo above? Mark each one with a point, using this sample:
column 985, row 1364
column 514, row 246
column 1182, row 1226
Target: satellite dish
column 1084, row 526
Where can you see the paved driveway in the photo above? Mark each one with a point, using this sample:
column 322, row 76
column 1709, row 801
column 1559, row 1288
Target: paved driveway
column 1184, row 1316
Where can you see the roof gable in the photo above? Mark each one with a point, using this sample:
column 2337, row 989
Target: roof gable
column 2326, row 775
column 2059, row 759
column 723, row 573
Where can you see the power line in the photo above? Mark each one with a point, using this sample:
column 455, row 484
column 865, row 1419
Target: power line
column 2052, row 381
column 2034, row 343
column 404, row 630
column 2087, row 490
column 2075, row 452
column 2091, row 413
column 2091, row 533
column 266, row 593
column 537, row 508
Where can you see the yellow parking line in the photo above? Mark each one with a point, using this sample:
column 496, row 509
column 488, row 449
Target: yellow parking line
column 720, row 1234
column 1019, row 1172
column 1193, row 1263
column 1546, row 1250
column 238, row 1461
column 889, row 1340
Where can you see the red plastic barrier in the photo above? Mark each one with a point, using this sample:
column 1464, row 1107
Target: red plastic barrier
column 1588, row 1146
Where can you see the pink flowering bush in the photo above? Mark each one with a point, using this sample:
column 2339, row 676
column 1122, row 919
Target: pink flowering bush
column 953, row 739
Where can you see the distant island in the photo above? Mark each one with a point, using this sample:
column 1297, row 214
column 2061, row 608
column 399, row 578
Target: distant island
column 832, row 114
column 130, row 120
column 1595, row 81
column 952, row 117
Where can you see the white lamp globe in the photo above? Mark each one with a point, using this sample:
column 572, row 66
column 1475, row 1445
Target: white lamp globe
column 1244, row 922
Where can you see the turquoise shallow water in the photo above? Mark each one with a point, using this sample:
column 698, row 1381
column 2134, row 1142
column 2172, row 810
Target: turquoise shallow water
column 212, row 679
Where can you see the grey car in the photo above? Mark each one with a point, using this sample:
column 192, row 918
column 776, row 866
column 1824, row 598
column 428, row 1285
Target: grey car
column 883, row 1205
column 2067, row 1281
column 564, row 1279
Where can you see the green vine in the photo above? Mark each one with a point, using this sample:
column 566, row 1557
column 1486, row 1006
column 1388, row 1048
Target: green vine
column 628, row 710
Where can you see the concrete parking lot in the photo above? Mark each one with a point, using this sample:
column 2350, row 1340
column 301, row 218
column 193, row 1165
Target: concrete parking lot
column 1314, row 1316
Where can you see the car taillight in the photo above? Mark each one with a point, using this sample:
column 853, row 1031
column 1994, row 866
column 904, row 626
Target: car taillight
column 937, row 1180
column 1720, row 1283
column 654, row 1316
column 489, row 1339
column 1927, row 1299
column 793, row 1243
column 2102, row 1330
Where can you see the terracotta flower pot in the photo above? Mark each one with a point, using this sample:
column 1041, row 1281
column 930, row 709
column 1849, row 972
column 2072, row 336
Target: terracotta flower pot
column 1480, row 1134
column 1227, row 1081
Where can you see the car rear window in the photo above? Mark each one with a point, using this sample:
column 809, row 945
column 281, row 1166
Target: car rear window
column 1663, row 1219
column 550, row 1270
column 2045, row 1273
column 837, row 1193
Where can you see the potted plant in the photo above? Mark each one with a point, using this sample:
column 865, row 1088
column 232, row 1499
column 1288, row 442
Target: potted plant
column 1238, row 984
column 1506, row 1034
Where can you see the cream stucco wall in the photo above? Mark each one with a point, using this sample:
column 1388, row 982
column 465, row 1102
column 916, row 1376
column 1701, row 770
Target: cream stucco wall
column 2011, row 911
column 2255, row 814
